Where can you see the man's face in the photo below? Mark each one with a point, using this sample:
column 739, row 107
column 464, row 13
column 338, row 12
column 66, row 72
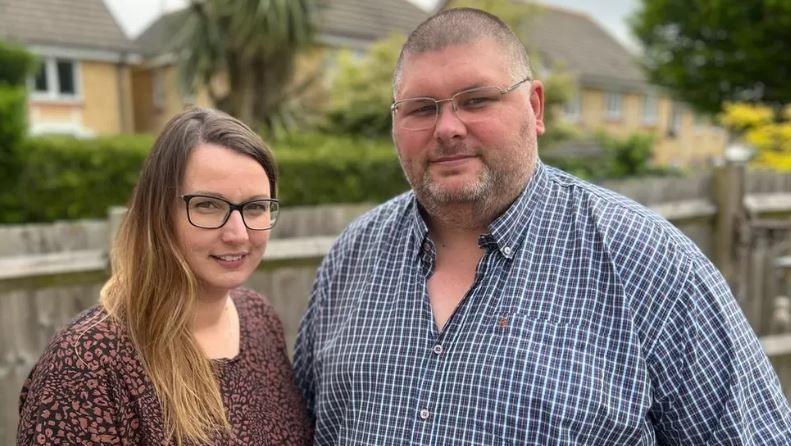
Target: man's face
column 486, row 162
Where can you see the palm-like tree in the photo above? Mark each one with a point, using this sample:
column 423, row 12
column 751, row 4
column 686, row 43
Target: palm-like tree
column 243, row 53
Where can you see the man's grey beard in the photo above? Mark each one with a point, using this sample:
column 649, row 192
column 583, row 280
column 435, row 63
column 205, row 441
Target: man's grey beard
column 435, row 195
column 475, row 204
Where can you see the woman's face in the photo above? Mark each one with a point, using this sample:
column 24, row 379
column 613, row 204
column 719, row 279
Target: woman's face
column 222, row 258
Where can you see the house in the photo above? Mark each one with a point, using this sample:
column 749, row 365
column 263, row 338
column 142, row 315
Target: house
column 612, row 93
column 83, row 83
column 349, row 24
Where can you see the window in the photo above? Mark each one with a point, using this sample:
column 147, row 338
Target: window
column 572, row 108
column 612, row 105
column 675, row 121
column 56, row 79
column 649, row 109
column 157, row 88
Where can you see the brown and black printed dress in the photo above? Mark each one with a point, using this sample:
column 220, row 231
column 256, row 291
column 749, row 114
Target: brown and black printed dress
column 89, row 387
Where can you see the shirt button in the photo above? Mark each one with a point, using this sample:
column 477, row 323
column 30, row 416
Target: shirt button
column 507, row 250
column 437, row 349
column 424, row 414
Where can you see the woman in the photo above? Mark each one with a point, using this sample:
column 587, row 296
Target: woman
column 175, row 352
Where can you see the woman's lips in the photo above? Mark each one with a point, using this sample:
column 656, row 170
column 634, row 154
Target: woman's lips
column 230, row 261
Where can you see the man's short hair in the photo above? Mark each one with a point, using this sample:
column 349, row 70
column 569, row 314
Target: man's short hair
column 461, row 26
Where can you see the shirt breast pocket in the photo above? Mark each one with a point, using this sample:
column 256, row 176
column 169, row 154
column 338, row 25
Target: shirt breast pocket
column 556, row 386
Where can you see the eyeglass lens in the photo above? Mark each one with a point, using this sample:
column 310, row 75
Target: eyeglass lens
column 470, row 106
column 211, row 213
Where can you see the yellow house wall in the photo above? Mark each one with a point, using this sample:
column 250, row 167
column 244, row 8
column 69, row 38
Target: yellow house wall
column 692, row 145
column 151, row 115
column 103, row 98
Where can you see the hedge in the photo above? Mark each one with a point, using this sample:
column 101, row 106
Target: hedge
column 66, row 178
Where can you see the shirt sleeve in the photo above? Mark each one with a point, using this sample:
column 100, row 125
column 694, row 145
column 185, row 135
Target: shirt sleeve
column 66, row 399
column 712, row 382
column 303, row 350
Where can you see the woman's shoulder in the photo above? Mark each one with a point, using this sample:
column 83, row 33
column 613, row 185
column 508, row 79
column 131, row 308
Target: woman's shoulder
column 91, row 341
column 76, row 383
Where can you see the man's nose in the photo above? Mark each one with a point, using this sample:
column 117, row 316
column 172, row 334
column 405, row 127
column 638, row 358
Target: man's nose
column 448, row 125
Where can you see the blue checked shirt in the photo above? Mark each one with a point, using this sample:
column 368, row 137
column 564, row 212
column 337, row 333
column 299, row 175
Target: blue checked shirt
column 591, row 321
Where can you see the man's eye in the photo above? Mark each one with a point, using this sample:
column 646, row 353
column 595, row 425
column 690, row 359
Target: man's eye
column 420, row 109
column 477, row 101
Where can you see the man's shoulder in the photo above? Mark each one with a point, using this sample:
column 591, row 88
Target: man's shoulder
column 613, row 213
column 631, row 234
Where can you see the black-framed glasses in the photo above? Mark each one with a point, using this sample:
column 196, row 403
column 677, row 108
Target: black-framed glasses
column 473, row 105
column 209, row 212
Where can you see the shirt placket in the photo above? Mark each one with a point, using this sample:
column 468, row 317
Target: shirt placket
column 437, row 361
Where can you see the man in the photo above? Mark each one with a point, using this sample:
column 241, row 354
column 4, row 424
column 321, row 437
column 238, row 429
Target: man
column 502, row 301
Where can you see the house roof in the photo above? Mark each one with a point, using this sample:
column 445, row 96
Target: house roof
column 581, row 46
column 369, row 19
column 158, row 38
column 76, row 24
column 354, row 23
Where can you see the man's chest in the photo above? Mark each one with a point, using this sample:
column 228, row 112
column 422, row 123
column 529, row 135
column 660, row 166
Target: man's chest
column 500, row 371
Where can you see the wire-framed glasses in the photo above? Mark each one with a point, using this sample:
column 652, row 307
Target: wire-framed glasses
column 473, row 105
column 209, row 212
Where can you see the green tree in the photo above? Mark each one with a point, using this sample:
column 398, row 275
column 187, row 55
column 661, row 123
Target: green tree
column 362, row 92
column 243, row 52
column 710, row 52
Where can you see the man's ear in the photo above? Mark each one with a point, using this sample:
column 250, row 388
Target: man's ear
column 537, row 104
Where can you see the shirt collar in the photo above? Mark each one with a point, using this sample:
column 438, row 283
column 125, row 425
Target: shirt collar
column 419, row 228
column 507, row 231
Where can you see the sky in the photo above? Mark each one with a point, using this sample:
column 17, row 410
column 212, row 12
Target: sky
column 135, row 15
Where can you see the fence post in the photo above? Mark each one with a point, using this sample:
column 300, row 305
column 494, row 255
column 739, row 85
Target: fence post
column 114, row 216
column 729, row 190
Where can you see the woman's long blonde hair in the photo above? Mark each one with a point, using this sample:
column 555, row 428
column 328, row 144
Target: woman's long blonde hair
column 152, row 292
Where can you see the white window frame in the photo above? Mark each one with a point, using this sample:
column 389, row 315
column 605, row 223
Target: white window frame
column 572, row 109
column 650, row 109
column 53, row 83
column 613, row 104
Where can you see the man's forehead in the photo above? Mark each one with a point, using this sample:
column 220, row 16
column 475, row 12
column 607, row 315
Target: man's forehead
column 478, row 61
column 473, row 46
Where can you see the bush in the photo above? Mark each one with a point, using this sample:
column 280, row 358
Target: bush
column 69, row 178
column 766, row 128
column 15, row 64
column 317, row 168
column 615, row 158
column 12, row 131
